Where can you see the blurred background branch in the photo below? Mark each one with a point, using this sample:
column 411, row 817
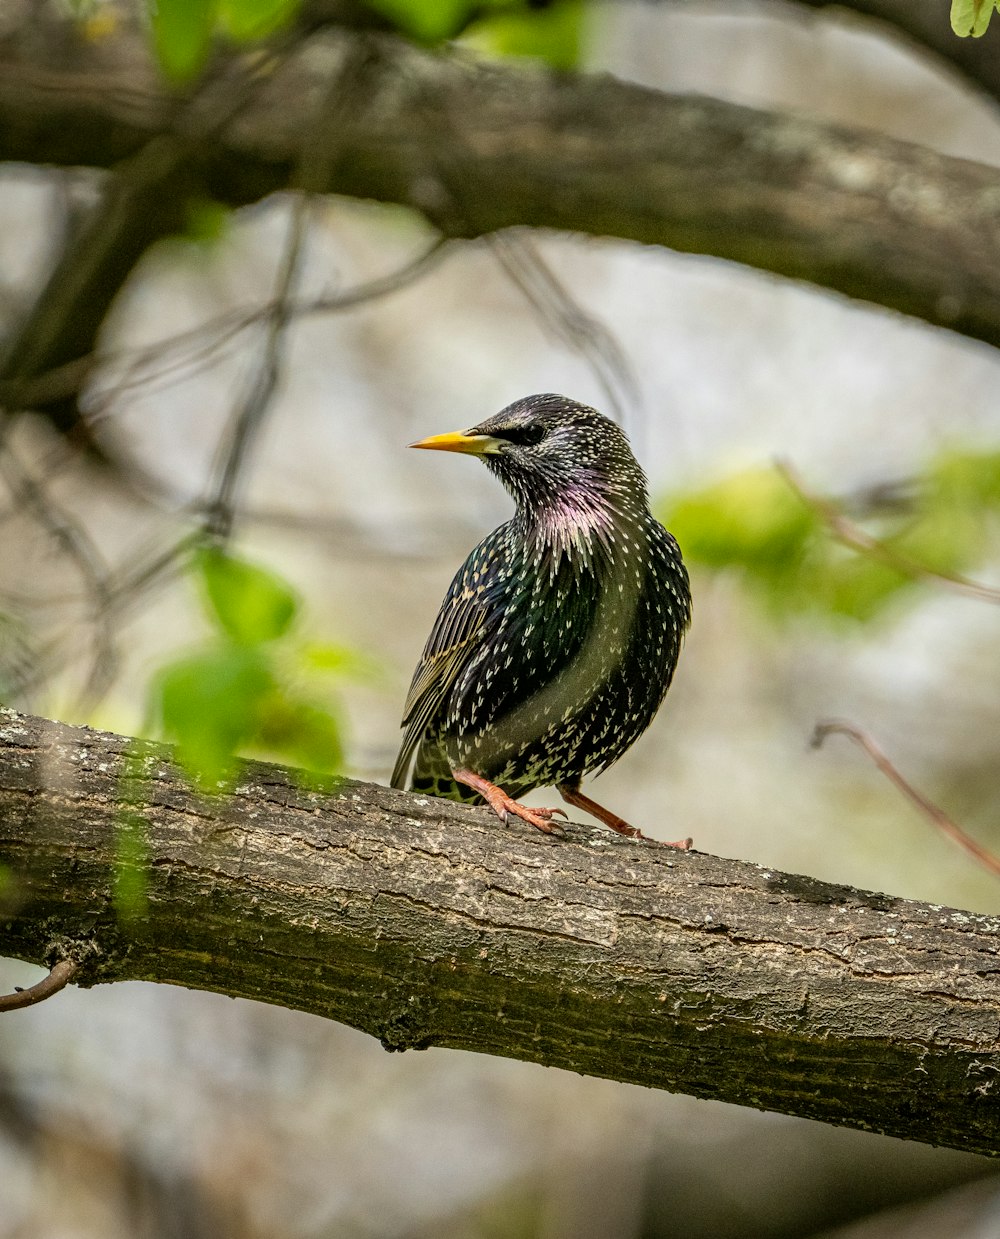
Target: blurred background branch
column 935, row 815
column 858, row 212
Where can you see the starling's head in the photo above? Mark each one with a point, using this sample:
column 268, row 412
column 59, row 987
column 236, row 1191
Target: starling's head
column 554, row 454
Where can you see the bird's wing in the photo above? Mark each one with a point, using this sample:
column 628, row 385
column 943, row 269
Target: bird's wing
column 465, row 614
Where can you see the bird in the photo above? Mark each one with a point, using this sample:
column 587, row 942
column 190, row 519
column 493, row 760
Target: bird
column 559, row 635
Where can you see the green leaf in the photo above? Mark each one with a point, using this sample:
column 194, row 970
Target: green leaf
column 791, row 560
column 248, row 20
column 182, row 35
column 338, row 660
column 755, row 522
column 845, row 584
column 970, row 479
column 942, row 540
column 300, row 732
column 428, row 21
column 752, row 519
column 971, row 17
column 210, row 705
column 553, row 34
column 250, row 603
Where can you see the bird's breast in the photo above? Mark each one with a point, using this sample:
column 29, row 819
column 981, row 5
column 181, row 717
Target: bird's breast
column 566, row 626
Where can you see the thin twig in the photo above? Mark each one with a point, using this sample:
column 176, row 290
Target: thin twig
column 130, row 582
column 78, row 546
column 337, row 109
column 60, row 976
column 195, row 345
column 931, row 811
column 586, row 335
column 847, row 532
column 245, row 427
column 126, row 588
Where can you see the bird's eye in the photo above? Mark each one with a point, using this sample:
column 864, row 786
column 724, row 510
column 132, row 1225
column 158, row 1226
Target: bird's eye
column 522, row 436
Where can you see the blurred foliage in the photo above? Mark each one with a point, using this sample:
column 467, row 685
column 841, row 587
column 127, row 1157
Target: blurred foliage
column 250, row 604
column 552, row 33
column 131, row 865
column 205, row 220
column 129, row 894
column 182, row 36
column 183, row 31
column 787, row 548
column 427, row 21
column 548, row 30
column 250, row 687
column 246, row 21
column 972, row 16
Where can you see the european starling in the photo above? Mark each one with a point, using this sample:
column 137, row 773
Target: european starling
column 559, row 635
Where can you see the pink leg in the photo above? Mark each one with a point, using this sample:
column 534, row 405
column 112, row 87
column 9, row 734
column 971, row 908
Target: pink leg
column 573, row 795
column 503, row 805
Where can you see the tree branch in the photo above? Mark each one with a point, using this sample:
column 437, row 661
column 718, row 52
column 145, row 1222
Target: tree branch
column 426, row 923
column 480, row 147
column 59, row 977
column 932, row 812
column 142, row 201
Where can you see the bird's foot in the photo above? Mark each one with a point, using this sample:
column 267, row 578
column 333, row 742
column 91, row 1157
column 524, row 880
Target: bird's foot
column 572, row 795
column 633, row 832
column 503, row 805
column 542, row 818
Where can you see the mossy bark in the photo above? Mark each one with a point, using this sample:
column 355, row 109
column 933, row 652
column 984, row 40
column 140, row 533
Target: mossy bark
column 427, row 923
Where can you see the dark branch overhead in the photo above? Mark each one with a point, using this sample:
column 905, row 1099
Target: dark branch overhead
column 481, row 147
column 426, row 923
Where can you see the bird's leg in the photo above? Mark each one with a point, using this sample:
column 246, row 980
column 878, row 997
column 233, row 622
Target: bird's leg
column 572, row 795
column 503, row 805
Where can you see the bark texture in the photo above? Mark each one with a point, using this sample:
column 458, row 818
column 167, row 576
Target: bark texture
column 426, row 923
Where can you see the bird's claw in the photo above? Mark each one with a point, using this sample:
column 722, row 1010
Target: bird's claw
column 503, row 805
column 542, row 818
column 547, row 813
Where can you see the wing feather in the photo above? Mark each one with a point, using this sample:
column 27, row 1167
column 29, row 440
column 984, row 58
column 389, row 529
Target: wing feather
column 464, row 616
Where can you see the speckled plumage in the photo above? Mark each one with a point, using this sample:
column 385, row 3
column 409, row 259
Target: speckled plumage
column 559, row 635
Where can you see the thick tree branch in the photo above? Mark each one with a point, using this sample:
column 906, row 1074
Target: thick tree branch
column 425, row 923
column 478, row 148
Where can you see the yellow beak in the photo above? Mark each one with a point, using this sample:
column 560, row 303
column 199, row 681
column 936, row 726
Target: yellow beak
column 455, row 441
